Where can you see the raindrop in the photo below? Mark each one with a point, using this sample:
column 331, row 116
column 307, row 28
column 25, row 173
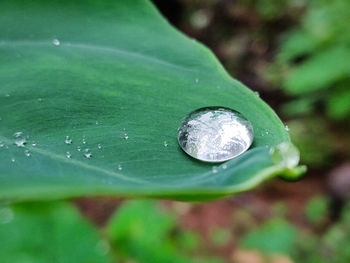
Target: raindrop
column 120, row 167
column 17, row 134
column 97, row 123
column 99, row 146
column 56, row 42
column 2, row 144
column 27, row 153
column 68, row 155
column 224, row 166
column 285, row 154
column 286, row 128
column 34, row 144
column 257, row 94
column 165, row 144
column 84, row 141
column 20, row 142
column 68, row 140
column 78, row 148
column 214, row 169
column 13, row 159
column 126, row 136
column 215, row 134
column 87, row 153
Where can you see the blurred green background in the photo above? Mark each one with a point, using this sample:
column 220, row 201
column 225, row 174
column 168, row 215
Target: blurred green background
column 296, row 55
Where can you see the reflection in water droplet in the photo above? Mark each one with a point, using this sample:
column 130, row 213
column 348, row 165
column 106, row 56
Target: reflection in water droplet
column 56, row 42
column 68, row 155
column 165, row 144
column 120, row 167
column 68, row 140
column 21, row 142
column 27, row 153
column 215, row 134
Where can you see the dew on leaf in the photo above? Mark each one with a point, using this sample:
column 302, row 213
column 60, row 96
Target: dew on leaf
column 215, row 134
column 68, row 140
column 56, row 42
column 68, row 155
column 27, row 153
column 20, row 142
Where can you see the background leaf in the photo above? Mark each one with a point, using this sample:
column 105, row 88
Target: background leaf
column 117, row 79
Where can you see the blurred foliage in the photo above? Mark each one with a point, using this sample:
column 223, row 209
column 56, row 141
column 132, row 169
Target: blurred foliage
column 313, row 60
column 141, row 231
column 316, row 209
column 49, row 232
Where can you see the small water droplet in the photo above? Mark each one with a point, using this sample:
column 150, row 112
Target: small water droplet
column 165, row 144
column 126, row 136
column 17, row 134
column 215, row 134
column 27, row 153
column 87, row 153
column 7, row 95
column 196, row 80
column 40, row 99
column 34, row 144
column 267, row 132
column 224, row 166
column 214, row 169
column 68, row 140
column 99, row 146
column 21, row 142
column 56, row 42
column 13, row 159
column 120, row 167
column 84, row 141
column 2, row 144
column 257, row 93
column 286, row 128
column 97, row 123
column 78, row 148
column 68, row 155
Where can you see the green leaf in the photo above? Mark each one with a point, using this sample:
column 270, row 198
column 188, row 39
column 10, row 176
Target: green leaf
column 121, row 77
column 45, row 232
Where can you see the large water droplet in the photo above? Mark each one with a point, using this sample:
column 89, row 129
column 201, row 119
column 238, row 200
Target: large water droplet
column 215, row 134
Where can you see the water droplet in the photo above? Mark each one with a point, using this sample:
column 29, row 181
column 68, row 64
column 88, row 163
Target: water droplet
column 17, row 134
column 84, row 141
column 214, row 169
column 97, row 123
column 21, row 142
column 287, row 128
column 224, row 166
column 120, row 167
column 7, row 95
column 34, row 144
column 68, row 140
column 68, row 155
column 40, row 99
column 285, row 154
column 257, row 93
column 27, row 153
column 78, row 148
column 56, row 42
column 196, row 80
column 87, row 153
column 215, row 134
column 267, row 132
column 165, row 144
column 126, row 136
column 2, row 144
column 99, row 146
column 13, row 159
